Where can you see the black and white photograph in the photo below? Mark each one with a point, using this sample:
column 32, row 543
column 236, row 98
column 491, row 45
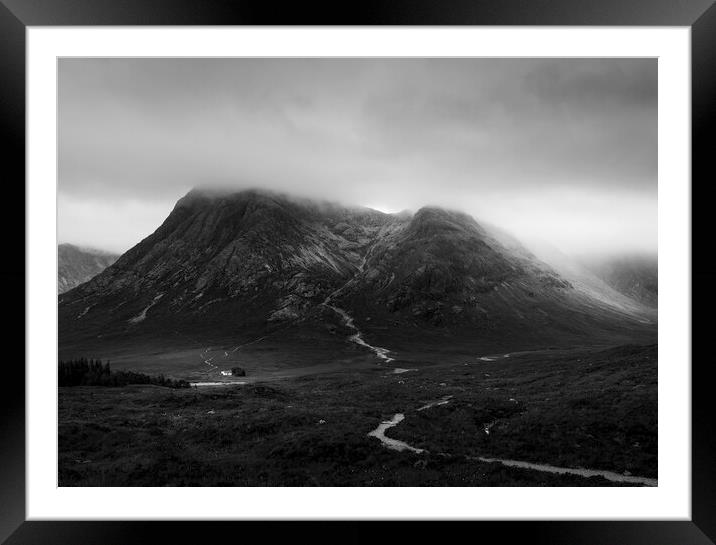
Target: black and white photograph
column 357, row 272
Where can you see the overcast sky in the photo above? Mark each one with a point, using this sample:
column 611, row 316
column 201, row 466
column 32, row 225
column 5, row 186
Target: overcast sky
column 556, row 149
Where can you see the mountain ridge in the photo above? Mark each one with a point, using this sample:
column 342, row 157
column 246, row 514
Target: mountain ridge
column 223, row 265
column 78, row 264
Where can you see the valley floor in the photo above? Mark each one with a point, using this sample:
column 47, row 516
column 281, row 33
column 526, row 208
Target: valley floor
column 576, row 410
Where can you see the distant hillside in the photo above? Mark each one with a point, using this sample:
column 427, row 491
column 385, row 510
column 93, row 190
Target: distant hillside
column 76, row 265
column 635, row 276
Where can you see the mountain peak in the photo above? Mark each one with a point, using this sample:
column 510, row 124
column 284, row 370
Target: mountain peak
column 432, row 220
column 206, row 195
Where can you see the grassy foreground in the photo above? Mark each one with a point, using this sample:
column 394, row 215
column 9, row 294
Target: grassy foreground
column 589, row 408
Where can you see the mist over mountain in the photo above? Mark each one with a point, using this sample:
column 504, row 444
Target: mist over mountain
column 229, row 265
column 634, row 275
column 533, row 145
column 76, row 265
column 629, row 281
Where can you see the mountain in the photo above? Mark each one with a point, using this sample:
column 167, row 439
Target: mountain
column 627, row 281
column 635, row 276
column 229, row 267
column 77, row 265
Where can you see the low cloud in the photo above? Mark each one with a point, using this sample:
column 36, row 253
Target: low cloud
column 559, row 148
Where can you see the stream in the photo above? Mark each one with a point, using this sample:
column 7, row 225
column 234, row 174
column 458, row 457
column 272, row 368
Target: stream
column 357, row 337
column 609, row 475
column 400, row 446
column 227, row 383
column 348, row 321
column 393, row 444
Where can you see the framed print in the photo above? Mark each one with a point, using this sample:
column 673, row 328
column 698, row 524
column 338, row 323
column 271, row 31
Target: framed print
column 402, row 266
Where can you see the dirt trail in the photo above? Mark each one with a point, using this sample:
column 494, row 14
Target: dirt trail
column 208, row 383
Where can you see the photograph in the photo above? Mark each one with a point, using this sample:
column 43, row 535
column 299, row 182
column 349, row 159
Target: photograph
column 357, row 272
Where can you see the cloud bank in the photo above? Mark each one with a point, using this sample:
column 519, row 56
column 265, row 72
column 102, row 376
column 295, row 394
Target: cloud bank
column 559, row 149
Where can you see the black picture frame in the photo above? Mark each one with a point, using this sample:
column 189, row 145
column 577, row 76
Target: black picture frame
column 699, row 15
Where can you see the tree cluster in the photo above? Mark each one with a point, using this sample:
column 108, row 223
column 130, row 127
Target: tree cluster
column 91, row 372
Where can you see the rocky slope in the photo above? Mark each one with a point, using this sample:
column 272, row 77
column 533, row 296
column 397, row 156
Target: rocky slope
column 237, row 265
column 77, row 265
